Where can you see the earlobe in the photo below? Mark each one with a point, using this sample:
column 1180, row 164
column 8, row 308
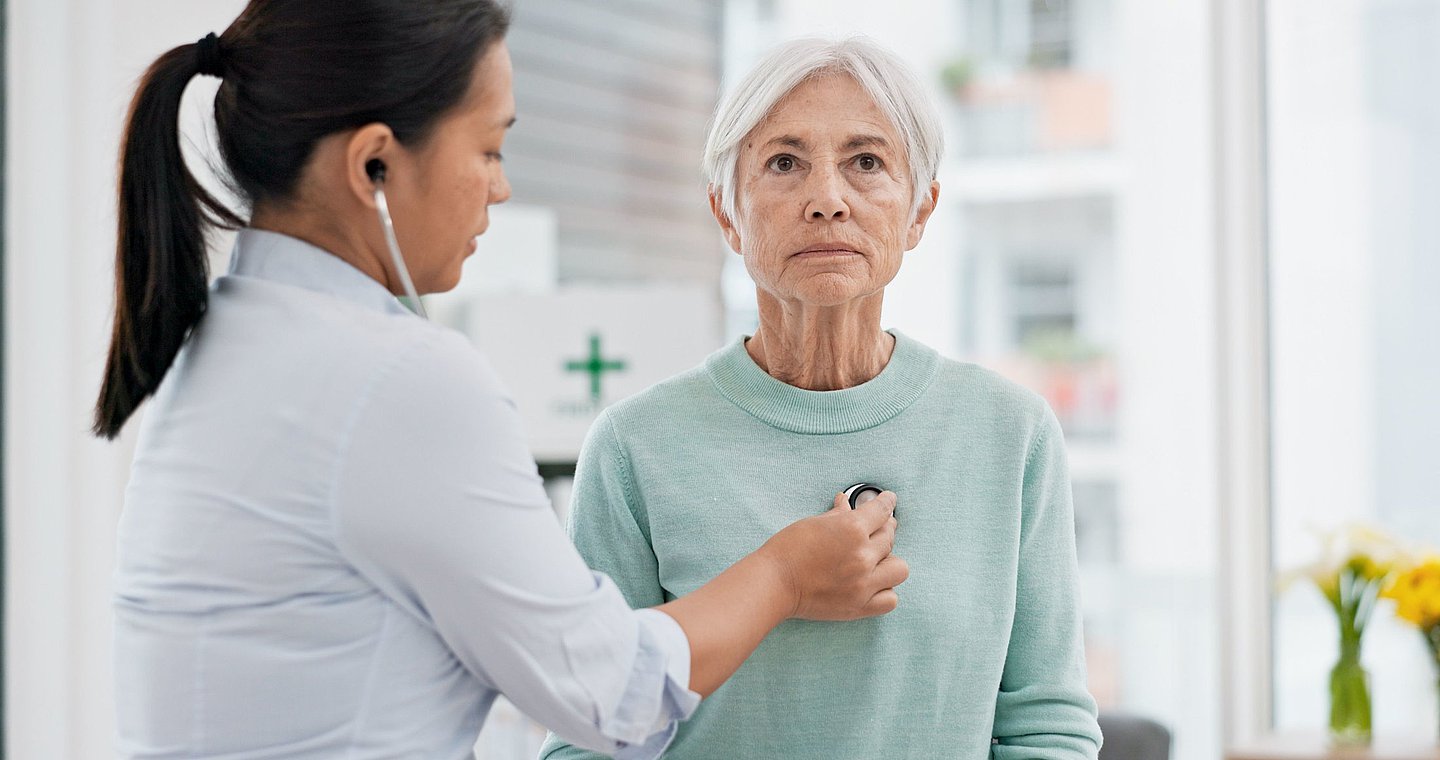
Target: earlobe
column 732, row 236
column 733, row 239
column 727, row 228
column 927, row 207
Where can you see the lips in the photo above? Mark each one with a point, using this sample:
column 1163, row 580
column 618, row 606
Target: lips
column 826, row 249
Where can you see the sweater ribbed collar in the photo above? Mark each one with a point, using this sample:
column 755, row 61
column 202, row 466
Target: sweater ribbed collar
column 911, row 369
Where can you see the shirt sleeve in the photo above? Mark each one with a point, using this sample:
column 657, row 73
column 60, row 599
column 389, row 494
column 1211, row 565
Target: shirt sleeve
column 609, row 525
column 437, row 501
column 1043, row 710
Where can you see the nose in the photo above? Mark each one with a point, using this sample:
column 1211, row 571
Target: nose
column 827, row 196
column 500, row 188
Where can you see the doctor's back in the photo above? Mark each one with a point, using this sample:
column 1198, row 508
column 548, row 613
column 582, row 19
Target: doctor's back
column 240, row 519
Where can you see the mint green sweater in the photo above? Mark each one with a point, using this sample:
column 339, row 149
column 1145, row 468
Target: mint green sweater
column 982, row 659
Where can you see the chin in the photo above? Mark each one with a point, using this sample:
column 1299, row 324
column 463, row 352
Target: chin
column 829, row 290
column 445, row 283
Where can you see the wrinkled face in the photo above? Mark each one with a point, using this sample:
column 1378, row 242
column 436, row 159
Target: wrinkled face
column 823, row 197
column 440, row 196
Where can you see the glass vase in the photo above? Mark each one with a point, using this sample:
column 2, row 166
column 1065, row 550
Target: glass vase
column 1349, row 701
column 1432, row 638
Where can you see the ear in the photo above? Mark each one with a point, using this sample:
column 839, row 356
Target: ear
column 732, row 236
column 927, row 207
column 368, row 143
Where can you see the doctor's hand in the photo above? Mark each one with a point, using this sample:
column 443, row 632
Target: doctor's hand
column 838, row 565
column 835, row 566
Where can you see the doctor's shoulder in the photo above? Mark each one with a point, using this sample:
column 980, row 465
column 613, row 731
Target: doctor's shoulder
column 364, row 354
column 433, row 360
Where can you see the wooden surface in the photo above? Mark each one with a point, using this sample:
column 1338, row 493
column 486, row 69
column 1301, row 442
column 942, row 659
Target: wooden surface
column 1315, row 747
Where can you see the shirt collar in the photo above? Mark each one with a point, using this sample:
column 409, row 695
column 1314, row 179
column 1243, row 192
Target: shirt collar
column 280, row 258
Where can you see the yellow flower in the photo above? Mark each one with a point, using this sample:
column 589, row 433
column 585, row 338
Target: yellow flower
column 1416, row 591
column 1370, row 553
column 1328, row 581
column 1359, row 550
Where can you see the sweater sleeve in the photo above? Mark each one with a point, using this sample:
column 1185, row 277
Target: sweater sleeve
column 609, row 527
column 1043, row 710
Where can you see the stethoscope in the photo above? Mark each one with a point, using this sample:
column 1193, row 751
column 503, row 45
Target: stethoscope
column 861, row 492
column 375, row 168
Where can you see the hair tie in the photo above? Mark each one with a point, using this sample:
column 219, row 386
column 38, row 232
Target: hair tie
column 211, row 63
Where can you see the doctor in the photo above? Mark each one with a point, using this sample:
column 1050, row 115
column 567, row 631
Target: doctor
column 334, row 543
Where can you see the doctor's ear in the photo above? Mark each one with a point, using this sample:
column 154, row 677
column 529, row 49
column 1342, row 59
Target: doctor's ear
column 369, row 160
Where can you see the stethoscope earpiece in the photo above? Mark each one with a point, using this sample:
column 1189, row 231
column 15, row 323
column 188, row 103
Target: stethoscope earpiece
column 862, row 492
column 375, row 170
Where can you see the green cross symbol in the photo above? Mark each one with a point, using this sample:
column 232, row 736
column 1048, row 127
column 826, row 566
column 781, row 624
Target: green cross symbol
column 595, row 365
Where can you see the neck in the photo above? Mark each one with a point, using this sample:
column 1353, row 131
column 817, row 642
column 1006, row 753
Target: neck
column 327, row 232
column 821, row 348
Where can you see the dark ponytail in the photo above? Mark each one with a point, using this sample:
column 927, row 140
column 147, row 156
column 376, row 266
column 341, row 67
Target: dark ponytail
column 293, row 72
column 161, row 278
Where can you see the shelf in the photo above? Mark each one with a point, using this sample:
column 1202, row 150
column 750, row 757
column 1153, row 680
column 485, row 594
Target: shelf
column 1316, row 747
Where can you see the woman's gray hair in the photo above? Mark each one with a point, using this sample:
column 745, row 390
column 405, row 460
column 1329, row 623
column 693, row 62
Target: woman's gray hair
column 889, row 82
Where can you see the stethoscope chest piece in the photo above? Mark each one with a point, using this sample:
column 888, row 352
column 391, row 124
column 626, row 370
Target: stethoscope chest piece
column 861, row 492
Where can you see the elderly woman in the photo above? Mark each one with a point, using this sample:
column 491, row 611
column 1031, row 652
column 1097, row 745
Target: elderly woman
column 822, row 168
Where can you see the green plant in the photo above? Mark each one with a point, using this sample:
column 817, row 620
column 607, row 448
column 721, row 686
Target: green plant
column 1355, row 565
column 957, row 74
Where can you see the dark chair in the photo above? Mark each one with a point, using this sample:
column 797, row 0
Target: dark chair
column 1131, row 737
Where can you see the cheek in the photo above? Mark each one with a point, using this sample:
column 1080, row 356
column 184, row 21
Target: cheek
column 890, row 211
column 769, row 212
column 467, row 190
column 451, row 216
column 761, row 241
column 474, row 186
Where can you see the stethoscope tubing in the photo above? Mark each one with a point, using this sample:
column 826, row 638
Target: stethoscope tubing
column 388, row 225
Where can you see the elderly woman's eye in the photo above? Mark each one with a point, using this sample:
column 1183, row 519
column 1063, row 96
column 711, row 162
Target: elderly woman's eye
column 867, row 163
column 783, row 163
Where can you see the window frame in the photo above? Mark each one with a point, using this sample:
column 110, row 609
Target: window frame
column 1244, row 393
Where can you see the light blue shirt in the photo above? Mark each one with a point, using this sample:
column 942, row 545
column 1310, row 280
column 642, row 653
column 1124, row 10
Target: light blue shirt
column 336, row 545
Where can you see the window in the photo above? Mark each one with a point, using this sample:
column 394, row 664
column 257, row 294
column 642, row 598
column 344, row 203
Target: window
column 1050, row 31
column 1032, row 76
column 1354, row 150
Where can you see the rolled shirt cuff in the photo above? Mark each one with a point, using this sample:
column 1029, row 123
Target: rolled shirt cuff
column 657, row 696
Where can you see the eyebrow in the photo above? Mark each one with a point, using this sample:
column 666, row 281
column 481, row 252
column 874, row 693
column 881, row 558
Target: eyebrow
column 789, row 141
column 856, row 141
column 866, row 141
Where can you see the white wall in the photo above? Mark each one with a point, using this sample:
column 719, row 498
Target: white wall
column 71, row 66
